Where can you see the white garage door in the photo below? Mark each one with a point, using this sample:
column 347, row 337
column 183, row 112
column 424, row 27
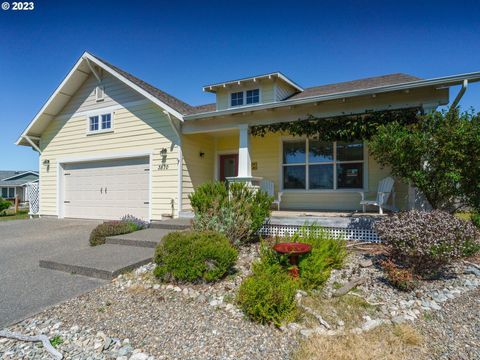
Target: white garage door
column 107, row 189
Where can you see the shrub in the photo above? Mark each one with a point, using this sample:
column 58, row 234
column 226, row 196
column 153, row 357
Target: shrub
column 110, row 228
column 194, row 257
column 268, row 295
column 426, row 241
column 475, row 218
column 236, row 210
column 4, row 205
column 327, row 253
column 135, row 223
column 400, row 278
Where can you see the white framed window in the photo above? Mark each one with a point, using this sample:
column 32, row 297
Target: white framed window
column 99, row 93
column 100, row 123
column 252, row 96
column 236, row 98
column 309, row 164
column 8, row 192
column 247, row 97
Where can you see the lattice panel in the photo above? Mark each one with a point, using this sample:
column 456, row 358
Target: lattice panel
column 358, row 234
column 33, row 198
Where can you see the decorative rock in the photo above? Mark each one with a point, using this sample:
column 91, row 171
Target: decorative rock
column 125, row 350
column 139, row 356
column 371, row 324
column 472, row 270
column 366, row 263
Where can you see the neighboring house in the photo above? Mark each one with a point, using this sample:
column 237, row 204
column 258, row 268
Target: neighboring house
column 14, row 183
column 111, row 144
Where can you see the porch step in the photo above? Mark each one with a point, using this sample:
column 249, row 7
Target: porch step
column 101, row 262
column 148, row 238
column 172, row 224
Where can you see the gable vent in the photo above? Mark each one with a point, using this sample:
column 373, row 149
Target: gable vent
column 99, row 93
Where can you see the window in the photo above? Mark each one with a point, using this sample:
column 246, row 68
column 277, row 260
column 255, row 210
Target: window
column 318, row 165
column 98, row 123
column 236, row 99
column 253, row 96
column 8, row 193
column 106, row 121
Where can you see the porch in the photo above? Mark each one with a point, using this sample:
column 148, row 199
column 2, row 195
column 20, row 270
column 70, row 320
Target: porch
column 305, row 175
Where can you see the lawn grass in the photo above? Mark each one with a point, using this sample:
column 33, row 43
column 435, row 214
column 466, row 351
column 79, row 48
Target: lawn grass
column 464, row 215
column 10, row 215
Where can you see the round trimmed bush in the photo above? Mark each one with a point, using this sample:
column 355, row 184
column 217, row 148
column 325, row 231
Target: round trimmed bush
column 426, row 241
column 194, row 257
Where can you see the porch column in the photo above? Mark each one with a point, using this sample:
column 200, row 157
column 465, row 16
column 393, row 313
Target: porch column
column 244, row 159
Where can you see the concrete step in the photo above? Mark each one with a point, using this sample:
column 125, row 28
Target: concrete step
column 102, row 262
column 148, row 238
column 172, row 224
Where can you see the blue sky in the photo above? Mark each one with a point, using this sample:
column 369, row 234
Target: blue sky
column 180, row 46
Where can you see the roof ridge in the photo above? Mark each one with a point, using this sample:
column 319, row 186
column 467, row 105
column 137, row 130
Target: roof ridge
column 177, row 104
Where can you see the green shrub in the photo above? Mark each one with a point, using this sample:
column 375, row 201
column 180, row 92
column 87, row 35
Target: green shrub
column 327, row 253
column 268, row 295
column 475, row 218
column 4, row 205
column 194, row 257
column 235, row 210
column 110, row 228
column 427, row 241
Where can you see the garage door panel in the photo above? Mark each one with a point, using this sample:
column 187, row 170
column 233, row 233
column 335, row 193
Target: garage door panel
column 107, row 189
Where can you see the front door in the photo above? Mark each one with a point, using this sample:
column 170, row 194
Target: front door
column 228, row 166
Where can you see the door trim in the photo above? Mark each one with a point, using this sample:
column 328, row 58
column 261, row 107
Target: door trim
column 65, row 161
column 217, row 161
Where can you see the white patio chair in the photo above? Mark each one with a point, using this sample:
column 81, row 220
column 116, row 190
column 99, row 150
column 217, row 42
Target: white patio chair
column 269, row 187
column 385, row 189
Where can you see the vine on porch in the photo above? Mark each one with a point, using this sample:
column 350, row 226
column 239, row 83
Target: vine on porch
column 340, row 128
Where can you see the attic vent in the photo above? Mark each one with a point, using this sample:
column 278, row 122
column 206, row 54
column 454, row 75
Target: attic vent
column 99, row 93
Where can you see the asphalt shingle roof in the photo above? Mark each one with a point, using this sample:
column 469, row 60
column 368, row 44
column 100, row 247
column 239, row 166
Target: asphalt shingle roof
column 5, row 174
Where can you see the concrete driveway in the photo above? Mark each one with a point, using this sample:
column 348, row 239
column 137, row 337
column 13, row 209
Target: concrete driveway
column 25, row 288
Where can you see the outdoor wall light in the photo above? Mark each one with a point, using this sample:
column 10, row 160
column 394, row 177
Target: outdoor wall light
column 46, row 162
column 163, row 151
column 202, row 154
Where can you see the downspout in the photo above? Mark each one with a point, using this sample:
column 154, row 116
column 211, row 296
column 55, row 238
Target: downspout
column 459, row 95
column 180, row 164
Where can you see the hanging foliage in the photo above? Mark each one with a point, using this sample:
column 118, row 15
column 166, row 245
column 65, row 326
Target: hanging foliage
column 340, row 128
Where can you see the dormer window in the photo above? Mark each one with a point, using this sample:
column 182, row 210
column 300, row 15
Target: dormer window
column 236, row 98
column 248, row 97
column 253, row 96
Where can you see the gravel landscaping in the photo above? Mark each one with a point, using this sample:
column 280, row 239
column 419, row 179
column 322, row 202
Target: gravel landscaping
column 135, row 317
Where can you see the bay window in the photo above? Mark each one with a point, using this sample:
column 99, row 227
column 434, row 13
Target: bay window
column 310, row 164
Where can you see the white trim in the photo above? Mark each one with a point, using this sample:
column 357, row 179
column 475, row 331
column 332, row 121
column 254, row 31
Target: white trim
column 50, row 99
column 32, row 144
column 209, row 88
column 134, row 86
column 111, row 108
column 446, row 81
column 244, row 92
column 83, row 159
column 100, row 130
column 334, row 163
column 99, row 93
column 20, row 174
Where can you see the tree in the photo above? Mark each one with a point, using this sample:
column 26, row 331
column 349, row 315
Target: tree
column 439, row 154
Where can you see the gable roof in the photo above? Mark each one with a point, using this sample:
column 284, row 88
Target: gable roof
column 76, row 77
column 17, row 178
column 175, row 103
column 276, row 74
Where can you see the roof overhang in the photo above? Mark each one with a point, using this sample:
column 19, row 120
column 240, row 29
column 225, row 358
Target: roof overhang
column 66, row 90
column 213, row 88
column 440, row 82
column 21, row 174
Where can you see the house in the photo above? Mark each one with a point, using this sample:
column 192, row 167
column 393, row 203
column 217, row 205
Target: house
column 14, row 183
column 111, row 144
